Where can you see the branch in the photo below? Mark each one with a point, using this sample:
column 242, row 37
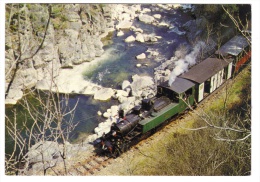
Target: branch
column 19, row 60
column 236, row 140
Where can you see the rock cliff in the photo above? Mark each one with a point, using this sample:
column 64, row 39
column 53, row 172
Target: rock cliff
column 42, row 38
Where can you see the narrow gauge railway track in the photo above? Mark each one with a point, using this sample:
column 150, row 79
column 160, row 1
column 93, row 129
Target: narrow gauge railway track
column 89, row 166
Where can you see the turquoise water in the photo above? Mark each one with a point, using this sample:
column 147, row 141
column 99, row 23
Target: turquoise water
column 120, row 64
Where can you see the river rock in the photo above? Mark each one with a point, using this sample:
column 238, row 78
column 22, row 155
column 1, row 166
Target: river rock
column 13, row 96
column 120, row 33
column 99, row 113
column 157, row 16
column 122, row 99
column 164, row 24
column 43, row 152
column 125, row 16
column 141, row 56
column 136, row 30
column 126, row 84
column 104, row 94
column 139, row 37
column 138, row 65
column 154, row 39
column 146, row 10
column 139, row 83
column 91, row 89
column 121, row 93
column 130, row 38
column 114, row 110
column 106, row 114
column 126, row 24
column 146, row 18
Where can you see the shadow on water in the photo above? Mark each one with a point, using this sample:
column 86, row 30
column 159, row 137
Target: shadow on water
column 85, row 117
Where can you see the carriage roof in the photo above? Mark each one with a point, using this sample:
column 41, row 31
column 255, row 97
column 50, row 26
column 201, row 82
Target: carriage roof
column 234, row 46
column 179, row 85
column 206, row 69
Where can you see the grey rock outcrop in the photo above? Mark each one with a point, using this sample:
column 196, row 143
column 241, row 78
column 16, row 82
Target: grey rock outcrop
column 73, row 37
column 146, row 18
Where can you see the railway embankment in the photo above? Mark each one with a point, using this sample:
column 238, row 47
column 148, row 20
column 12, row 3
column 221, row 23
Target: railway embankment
column 145, row 157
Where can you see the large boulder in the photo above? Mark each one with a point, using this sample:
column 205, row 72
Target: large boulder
column 126, row 24
column 140, row 83
column 141, row 56
column 90, row 89
column 126, row 84
column 130, row 38
column 157, row 16
column 104, row 94
column 13, row 96
column 139, row 37
column 146, row 18
column 43, row 152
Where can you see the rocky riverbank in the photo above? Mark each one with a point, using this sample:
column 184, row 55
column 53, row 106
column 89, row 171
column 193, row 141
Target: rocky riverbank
column 71, row 44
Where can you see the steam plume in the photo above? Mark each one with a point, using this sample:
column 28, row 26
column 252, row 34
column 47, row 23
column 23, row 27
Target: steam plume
column 182, row 65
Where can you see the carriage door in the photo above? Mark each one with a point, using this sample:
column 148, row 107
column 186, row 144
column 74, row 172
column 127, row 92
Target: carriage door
column 229, row 72
column 201, row 91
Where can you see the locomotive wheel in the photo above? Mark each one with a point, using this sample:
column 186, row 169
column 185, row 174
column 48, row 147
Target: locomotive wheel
column 125, row 147
column 116, row 153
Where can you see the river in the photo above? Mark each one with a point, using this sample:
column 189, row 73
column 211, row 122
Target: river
column 120, row 64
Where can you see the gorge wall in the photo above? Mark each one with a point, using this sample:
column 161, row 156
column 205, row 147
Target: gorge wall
column 42, row 38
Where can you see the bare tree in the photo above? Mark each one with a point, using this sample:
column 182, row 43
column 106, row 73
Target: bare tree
column 51, row 118
column 241, row 27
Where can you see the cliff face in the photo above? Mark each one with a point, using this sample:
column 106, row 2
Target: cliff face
column 42, row 38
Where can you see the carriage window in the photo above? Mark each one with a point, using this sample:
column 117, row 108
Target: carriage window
column 188, row 92
column 207, row 86
column 175, row 97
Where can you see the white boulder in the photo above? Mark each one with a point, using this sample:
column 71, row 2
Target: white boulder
column 146, row 18
column 157, row 16
column 125, row 84
column 126, row 24
column 120, row 33
column 104, row 94
column 139, row 37
column 130, row 38
column 141, row 56
column 138, row 65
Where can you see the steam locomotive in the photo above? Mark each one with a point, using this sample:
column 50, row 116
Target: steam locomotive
column 188, row 89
